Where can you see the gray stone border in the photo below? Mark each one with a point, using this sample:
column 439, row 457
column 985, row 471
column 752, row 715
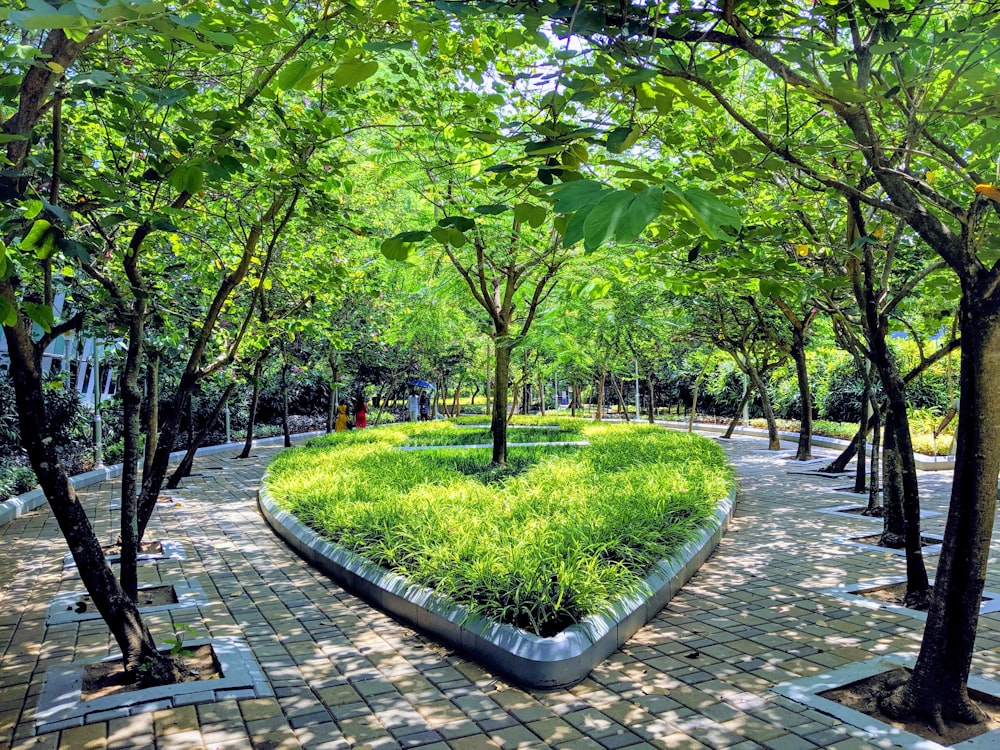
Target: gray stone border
column 530, row 660
column 171, row 551
column 839, row 510
column 846, row 592
column 15, row 507
column 930, row 549
column 806, row 692
column 189, row 593
column 60, row 707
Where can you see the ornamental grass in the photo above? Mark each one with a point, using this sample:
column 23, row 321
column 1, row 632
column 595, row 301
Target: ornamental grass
column 554, row 536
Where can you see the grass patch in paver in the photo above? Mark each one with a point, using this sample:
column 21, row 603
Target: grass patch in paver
column 563, row 533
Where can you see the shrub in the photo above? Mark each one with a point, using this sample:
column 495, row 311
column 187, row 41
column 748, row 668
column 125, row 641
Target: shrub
column 556, row 535
column 15, row 479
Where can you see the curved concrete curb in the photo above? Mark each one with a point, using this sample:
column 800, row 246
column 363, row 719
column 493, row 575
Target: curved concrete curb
column 527, row 659
column 15, row 507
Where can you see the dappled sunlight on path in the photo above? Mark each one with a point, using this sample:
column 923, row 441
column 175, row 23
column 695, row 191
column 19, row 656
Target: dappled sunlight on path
column 345, row 675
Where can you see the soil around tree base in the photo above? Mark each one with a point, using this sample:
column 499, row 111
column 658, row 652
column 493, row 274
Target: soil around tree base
column 864, row 695
column 874, row 539
column 109, row 678
column 150, row 596
column 154, row 547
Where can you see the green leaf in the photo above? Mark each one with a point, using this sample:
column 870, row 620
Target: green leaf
column 41, row 239
column 448, row 236
column 575, row 227
column 770, row 288
column 461, row 223
column 603, row 220
column 292, row 73
column 187, row 178
column 414, row 236
column 8, row 315
column 644, row 75
column 529, row 213
column 711, row 214
column 32, row 208
column 395, row 249
column 618, row 139
column 164, row 225
column 642, row 209
column 41, row 314
column 73, row 249
column 879, row 4
column 572, row 196
column 491, row 209
column 353, row 72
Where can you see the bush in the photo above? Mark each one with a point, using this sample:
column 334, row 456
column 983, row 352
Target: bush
column 15, row 479
column 555, row 535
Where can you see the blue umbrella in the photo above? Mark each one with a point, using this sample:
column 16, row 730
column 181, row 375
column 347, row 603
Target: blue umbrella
column 422, row 384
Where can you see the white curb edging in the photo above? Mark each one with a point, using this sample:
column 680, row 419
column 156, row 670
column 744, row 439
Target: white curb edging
column 15, row 507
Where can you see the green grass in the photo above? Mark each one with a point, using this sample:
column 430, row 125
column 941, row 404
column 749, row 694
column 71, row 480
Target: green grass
column 555, row 536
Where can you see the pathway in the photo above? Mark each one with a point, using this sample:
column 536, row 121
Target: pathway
column 346, row 676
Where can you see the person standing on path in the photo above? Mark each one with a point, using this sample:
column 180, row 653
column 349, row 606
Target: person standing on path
column 425, row 407
column 341, row 424
column 413, row 406
column 360, row 413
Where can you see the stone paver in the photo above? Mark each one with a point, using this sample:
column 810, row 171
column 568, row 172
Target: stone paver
column 344, row 675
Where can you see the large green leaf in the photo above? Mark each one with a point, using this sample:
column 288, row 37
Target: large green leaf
column 353, row 72
column 710, row 214
column 575, row 227
column 395, row 249
column 292, row 73
column 41, row 239
column 603, row 220
column 8, row 315
column 642, row 209
column 187, row 178
column 572, row 196
column 41, row 314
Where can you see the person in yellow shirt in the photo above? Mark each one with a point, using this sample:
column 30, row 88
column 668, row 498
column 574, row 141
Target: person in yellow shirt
column 341, row 424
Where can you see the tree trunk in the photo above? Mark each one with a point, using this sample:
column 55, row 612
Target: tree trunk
column 621, row 397
column 694, row 403
column 498, row 423
column 867, row 402
column 142, row 659
column 739, row 413
column 894, row 528
column 456, row 406
column 152, row 421
column 804, row 450
column 285, row 428
column 874, row 483
column 937, row 688
column 132, row 419
column 773, row 441
column 599, row 410
column 184, row 468
column 840, row 462
column 258, row 369
column 541, row 396
column 652, row 402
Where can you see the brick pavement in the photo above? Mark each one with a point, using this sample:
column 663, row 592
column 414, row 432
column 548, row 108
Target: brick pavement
column 345, row 675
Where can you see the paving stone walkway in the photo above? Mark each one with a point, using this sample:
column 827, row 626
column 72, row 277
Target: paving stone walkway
column 345, row 675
